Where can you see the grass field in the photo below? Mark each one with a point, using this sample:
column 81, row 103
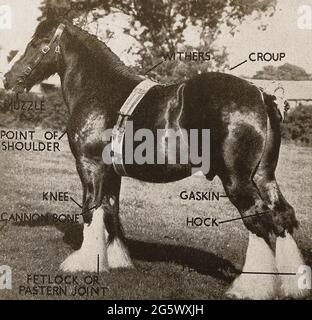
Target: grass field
column 154, row 219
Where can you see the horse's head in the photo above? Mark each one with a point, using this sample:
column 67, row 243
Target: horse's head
column 39, row 61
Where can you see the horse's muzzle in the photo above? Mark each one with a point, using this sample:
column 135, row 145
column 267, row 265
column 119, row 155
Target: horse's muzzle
column 18, row 88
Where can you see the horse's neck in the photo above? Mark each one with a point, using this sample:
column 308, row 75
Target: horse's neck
column 81, row 79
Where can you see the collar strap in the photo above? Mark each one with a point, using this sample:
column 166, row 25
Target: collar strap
column 118, row 134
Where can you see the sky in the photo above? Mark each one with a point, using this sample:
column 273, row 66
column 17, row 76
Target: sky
column 281, row 35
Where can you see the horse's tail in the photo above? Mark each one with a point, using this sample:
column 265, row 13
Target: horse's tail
column 278, row 105
column 264, row 177
column 270, row 155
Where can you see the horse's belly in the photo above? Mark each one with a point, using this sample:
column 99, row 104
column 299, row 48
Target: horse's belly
column 159, row 173
column 161, row 159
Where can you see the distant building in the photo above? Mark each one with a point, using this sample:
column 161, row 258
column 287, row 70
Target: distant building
column 296, row 92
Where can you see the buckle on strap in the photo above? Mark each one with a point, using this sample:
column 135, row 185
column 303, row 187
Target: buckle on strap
column 57, row 49
column 57, row 35
column 27, row 70
column 45, row 49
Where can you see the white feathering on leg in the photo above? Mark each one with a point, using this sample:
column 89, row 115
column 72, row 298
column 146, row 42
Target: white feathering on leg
column 259, row 258
column 288, row 260
column 92, row 255
column 118, row 256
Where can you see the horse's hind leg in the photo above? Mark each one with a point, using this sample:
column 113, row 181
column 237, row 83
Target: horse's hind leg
column 259, row 257
column 248, row 178
column 288, row 256
column 102, row 247
column 242, row 151
column 264, row 178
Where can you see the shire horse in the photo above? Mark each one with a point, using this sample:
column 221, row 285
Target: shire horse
column 245, row 140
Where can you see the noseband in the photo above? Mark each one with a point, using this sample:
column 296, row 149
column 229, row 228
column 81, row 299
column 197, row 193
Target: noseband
column 29, row 69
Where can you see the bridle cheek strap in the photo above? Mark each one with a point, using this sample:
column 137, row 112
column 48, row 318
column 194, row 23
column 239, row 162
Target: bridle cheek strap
column 56, row 37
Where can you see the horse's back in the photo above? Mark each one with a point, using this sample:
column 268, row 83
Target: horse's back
column 212, row 94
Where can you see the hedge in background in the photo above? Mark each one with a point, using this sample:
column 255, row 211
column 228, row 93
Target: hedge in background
column 297, row 127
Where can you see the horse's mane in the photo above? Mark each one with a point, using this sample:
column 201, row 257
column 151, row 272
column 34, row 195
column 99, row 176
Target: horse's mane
column 100, row 53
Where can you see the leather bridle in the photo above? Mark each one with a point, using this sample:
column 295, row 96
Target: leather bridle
column 30, row 67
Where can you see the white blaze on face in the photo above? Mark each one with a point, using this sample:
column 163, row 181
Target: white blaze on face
column 11, row 63
column 8, row 67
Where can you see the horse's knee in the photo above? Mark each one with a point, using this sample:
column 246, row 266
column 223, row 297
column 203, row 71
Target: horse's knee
column 110, row 205
column 111, row 217
column 88, row 208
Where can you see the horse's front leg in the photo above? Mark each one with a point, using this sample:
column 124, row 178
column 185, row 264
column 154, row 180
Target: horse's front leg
column 102, row 247
column 117, row 253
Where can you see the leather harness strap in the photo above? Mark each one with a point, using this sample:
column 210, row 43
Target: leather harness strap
column 125, row 112
column 57, row 35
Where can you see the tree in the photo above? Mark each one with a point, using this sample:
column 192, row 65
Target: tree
column 285, row 72
column 159, row 25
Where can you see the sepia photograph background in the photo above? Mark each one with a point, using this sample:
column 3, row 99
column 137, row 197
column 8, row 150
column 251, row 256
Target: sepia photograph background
column 173, row 260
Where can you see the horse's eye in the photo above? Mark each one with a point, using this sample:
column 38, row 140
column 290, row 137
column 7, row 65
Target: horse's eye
column 43, row 42
column 35, row 43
